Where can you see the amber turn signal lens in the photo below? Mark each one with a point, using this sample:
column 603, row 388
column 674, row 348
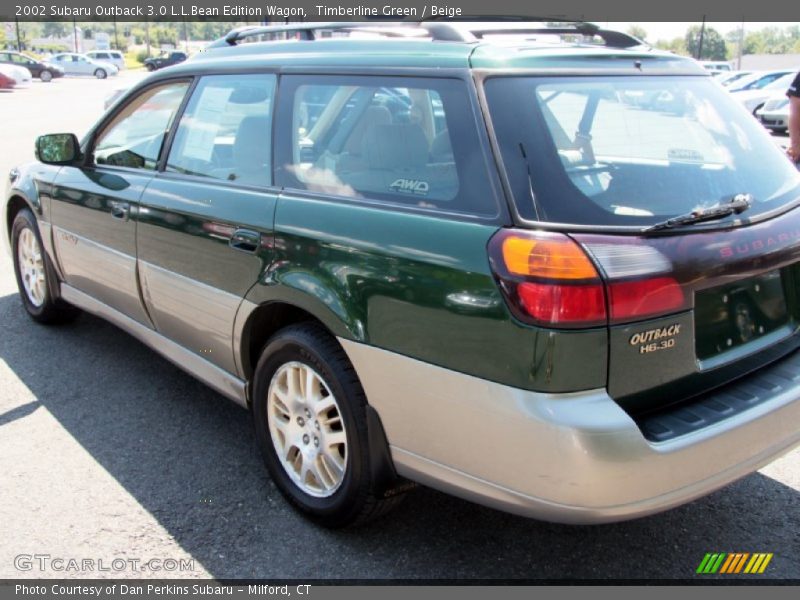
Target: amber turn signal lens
column 548, row 258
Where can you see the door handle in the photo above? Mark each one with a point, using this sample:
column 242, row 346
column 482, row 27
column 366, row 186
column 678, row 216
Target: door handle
column 245, row 240
column 120, row 210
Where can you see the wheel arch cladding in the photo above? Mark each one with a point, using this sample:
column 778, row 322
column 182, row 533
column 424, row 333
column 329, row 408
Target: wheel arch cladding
column 266, row 320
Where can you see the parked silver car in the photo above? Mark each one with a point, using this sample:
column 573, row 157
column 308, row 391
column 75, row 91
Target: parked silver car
column 114, row 57
column 80, row 64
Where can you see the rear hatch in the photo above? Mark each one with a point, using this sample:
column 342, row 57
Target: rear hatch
column 641, row 172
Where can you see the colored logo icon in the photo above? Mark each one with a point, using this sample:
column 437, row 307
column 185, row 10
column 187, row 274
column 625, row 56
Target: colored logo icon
column 732, row 563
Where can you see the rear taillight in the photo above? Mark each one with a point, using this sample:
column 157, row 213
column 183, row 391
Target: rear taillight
column 548, row 279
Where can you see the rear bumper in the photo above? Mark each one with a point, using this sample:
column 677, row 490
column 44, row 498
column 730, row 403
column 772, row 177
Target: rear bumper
column 572, row 458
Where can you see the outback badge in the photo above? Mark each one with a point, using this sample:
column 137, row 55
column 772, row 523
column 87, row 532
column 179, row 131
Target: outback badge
column 653, row 340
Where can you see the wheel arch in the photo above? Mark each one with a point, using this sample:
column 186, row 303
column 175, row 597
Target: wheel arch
column 261, row 322
column 266, row 319
column 17, row 202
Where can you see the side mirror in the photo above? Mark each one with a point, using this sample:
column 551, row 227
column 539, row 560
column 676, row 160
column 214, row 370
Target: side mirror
column 58, row 149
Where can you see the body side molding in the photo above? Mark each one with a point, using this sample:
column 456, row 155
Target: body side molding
column 220, row 380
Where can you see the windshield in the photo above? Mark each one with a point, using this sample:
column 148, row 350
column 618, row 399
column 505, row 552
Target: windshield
column 632, row 151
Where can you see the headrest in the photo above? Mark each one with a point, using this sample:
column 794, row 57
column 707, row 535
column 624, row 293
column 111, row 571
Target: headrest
column 251, row 147
column 372, row 117
column 396, row 146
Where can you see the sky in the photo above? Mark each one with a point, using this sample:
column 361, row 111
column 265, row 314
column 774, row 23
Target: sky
column 668, row 31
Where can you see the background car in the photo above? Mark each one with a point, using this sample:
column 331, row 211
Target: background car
column 6, row 82
column 80, row 64
column 774, row 114
column 759, row 79
column 114, row 57
column 165, row 59
column 42, row 69
column 754, row 99
column 729, row 78
column 20, row 75
column 715, row 65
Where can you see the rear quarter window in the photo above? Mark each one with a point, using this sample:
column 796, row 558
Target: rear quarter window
column 412, row 142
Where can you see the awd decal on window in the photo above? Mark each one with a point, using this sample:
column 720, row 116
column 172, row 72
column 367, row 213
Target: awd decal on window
column 733, row 563
column 410, row 186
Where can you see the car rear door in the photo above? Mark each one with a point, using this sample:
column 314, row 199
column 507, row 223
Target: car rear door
column 94, row 205
column 205, row 222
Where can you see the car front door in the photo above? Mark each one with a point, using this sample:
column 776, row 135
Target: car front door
column 204, row 234
column 94, row 205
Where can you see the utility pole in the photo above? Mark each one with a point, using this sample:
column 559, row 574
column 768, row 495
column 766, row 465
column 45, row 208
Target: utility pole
column 75, row 34
column 741, row 48
column 19, row 37
column 702, row 35
column 147, row 35
column 116, row 35
column 186, row 36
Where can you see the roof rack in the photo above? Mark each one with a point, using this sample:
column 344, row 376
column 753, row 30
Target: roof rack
column 448, row 31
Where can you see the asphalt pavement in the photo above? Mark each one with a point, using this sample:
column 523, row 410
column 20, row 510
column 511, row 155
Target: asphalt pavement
column 109, row 452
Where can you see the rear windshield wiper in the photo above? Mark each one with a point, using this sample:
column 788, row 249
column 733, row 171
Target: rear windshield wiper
column 737, row 205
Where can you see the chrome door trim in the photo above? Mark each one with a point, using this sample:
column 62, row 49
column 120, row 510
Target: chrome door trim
column 220, row 380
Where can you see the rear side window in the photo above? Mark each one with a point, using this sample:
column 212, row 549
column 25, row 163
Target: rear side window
column 225, row 131
column 409, row 141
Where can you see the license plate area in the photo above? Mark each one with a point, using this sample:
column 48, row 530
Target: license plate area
column 740, row 315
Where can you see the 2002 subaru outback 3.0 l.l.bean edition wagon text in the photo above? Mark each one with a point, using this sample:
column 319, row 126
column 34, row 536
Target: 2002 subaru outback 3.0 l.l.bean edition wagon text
column 557, row 278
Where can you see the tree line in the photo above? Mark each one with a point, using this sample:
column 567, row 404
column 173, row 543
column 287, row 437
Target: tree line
column 768, row 40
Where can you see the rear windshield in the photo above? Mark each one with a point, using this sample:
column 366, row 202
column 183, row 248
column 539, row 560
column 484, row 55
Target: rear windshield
column 632, row 151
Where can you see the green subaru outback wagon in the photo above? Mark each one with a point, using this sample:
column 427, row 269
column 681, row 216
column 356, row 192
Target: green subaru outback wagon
column 546, row 269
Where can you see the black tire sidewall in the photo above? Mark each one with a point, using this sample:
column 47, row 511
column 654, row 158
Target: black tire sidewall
column 340, row 507
column 46, row 76
column 26, row 220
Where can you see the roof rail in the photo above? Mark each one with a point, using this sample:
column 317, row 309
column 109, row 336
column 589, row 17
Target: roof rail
column 310, row 31
column 451, row 30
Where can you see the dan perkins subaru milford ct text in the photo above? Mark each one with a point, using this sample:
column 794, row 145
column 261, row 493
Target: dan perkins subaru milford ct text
column 234, row 10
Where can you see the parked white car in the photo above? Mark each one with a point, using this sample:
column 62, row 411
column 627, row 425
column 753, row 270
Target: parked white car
column 774, row 115
column 114, row 57
column 729, row 78
column 20, row 75
column 80, row 64
column 754, row 99
column 759, row 79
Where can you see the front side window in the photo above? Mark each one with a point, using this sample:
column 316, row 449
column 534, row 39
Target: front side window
column 135, row 136
column 632, row 151
column 411, row 142
column 225, row 132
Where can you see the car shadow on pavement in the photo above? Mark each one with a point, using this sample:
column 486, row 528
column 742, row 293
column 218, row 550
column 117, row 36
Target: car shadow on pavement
column 189, row 457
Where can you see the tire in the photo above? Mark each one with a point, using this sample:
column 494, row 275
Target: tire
column 100, row 74
column 35, row 275
column 46, row 76
column 314, row 438
column 150, row 67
